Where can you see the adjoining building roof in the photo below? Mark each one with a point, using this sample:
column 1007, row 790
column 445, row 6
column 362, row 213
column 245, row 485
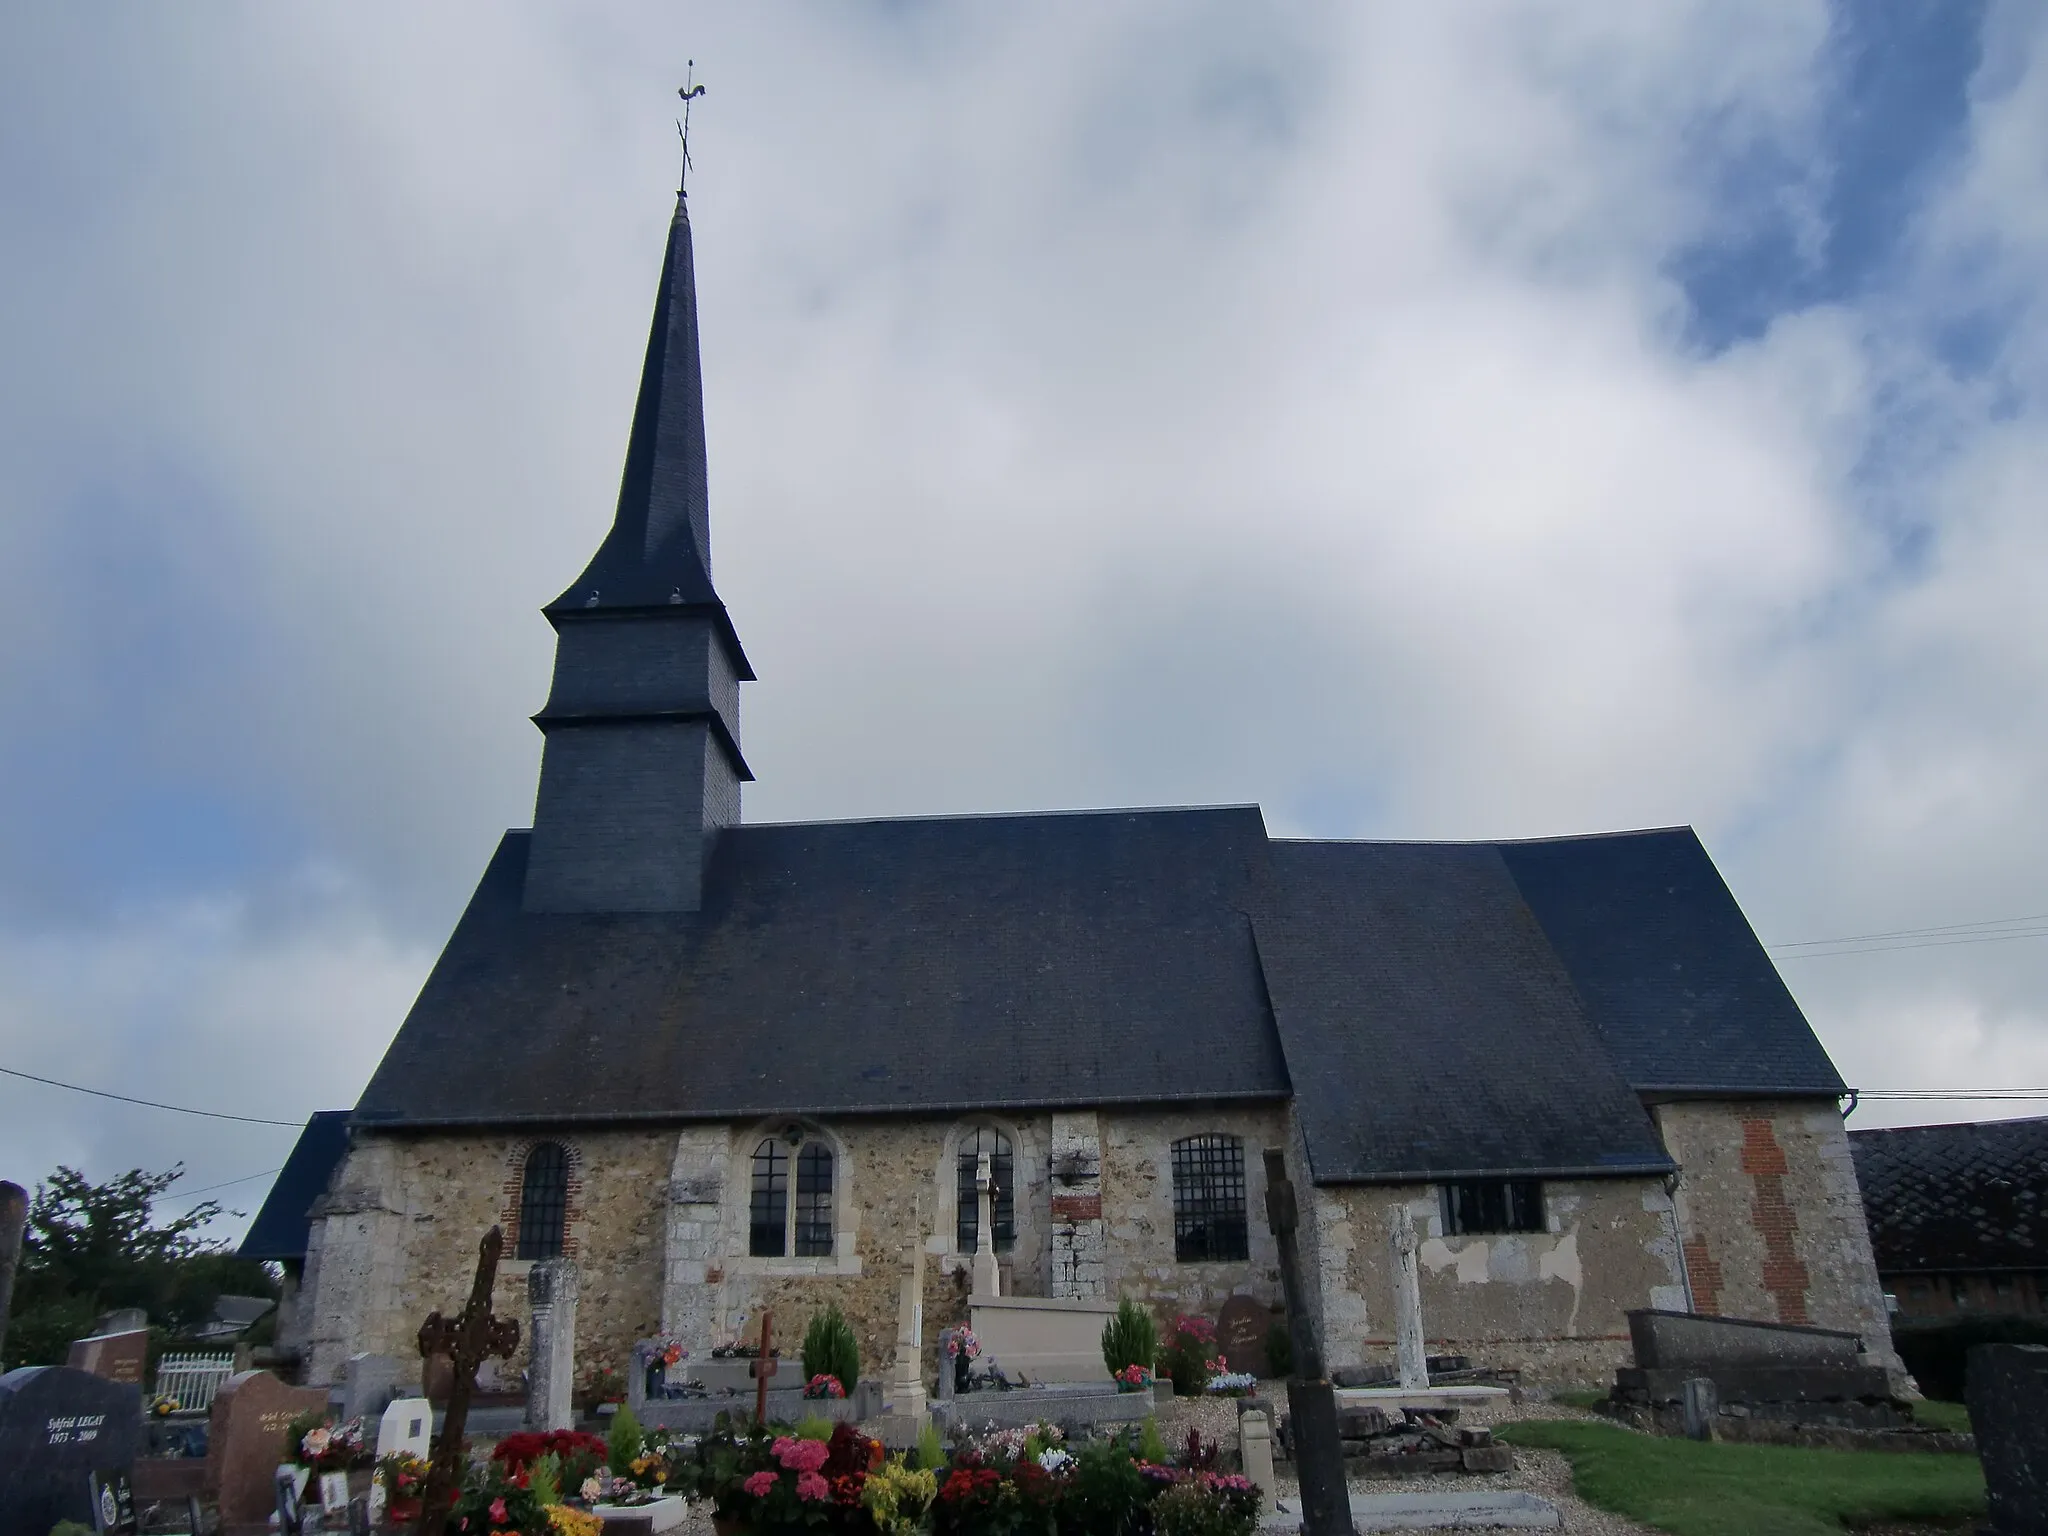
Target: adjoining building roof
column 280, row 1228
column 1432, row 1030
column 1419, row 1008
column 1956, row 1197
column 1673, row 977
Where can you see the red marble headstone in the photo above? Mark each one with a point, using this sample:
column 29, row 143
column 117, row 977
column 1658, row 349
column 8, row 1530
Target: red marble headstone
column 1241, row 1333
column 245, row 1442
column 115, row 1356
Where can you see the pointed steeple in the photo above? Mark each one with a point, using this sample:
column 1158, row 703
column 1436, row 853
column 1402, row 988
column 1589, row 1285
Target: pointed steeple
column 642, row 765
column 659, row 548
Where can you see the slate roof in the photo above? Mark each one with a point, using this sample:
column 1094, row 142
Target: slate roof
column 279, row 1230
column 1411, row 997
column 1433, row 1030
column 859, row 967
column 1956, row 1197
column 1673, row 977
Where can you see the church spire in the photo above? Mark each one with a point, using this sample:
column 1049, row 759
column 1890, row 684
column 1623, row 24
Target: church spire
column 659, row 549
column 642, row 765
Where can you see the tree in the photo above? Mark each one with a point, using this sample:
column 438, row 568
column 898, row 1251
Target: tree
column 91, row 1247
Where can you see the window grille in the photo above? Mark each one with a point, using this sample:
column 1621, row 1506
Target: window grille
column 543, row 1202
column 768, row 1209
column 1208, row 1199
column 1493, row 1205
column 813, row 1200
column 993, row 1144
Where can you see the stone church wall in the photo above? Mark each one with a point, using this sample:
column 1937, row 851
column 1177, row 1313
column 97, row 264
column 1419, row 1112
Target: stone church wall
column 1773, row 1217
column 1549, row 1303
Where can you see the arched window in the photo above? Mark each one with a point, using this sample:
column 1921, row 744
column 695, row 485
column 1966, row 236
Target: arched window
column 985, row 1141
column 775, row 1227
column 1208, row 1199
column 543, row 1202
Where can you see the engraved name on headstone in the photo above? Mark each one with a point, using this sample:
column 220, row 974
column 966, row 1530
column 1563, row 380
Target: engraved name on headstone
column 59, row 1428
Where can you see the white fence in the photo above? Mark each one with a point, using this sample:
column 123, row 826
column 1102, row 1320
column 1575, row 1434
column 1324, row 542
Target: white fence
column 193, row 1379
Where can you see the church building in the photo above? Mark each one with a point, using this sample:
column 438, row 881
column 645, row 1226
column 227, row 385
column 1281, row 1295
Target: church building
column 729, row 1066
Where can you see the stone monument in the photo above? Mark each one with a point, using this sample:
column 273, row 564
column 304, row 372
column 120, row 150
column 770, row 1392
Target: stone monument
column 368, row 1383
column 1255, row 1441
column 1241, row 1333
column 1311, row 1400
column 2006, row 1390
column 551, row 1291
column 61, row 1432
column 467, row 1340
column 13, row 1218
column 245, row 1441
column 908, row 1406
column 1407, row 1273
column 987, row 1278
column 117, row 1356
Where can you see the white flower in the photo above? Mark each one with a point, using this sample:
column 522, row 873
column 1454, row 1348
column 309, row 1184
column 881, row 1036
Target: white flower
column 1055, row 1460
column 593, row 1489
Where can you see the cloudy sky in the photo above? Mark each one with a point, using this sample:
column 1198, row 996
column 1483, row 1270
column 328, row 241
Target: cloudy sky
column 1455, row 421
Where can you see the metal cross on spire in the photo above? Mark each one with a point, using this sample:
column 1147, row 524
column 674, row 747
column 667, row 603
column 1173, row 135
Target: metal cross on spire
column 689, row 92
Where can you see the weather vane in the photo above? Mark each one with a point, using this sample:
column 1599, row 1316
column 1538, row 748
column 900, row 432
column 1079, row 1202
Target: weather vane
column 689, row 93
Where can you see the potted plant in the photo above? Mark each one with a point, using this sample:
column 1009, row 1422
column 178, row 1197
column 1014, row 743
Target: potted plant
column 404, row 1478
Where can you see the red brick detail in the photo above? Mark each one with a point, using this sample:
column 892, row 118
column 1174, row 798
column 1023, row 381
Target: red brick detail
column 1077, row 1207
column 515, row 1186
column 1784, row 1277
column 1705, row 1274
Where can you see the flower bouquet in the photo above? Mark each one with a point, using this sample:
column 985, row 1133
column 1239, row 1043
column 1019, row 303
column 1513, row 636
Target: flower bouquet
column 163, row 1405
column 404, row 1478
column 822, row 1385
column 1224, row 1382
column 1133, row 1378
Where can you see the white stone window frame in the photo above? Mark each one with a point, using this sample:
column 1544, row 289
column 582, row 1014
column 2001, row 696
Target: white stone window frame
column 1025, row 1173
column 844, row 1259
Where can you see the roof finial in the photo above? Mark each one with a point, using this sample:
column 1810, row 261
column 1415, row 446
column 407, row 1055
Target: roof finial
column 689, row 93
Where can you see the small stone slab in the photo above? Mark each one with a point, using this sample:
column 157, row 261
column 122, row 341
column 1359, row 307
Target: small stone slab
column 1427, row 1399
column 1505, row 1509
column 1241, row 1329
column 642, row 1519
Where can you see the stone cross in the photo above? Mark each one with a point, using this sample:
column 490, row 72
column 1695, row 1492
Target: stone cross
column 467, row 1340
column 987, row 1278
column 1414, row 1361
column 551, row 1291
column 1312, row 1402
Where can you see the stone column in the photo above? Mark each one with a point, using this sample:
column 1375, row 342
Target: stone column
column 693, row 1288
column 906, row 1381
column 551, row 1290
column 1414, row 1362
column 987, row 1279
column 1079, row 1249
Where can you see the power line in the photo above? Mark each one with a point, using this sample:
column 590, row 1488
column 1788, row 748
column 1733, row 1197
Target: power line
column 1937, row 936
column 1952, row 1093
column 101, row 1093
column 230, row 1184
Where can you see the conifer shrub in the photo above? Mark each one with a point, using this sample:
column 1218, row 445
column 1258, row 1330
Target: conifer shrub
column 1129, row 1338
column 623, row 1442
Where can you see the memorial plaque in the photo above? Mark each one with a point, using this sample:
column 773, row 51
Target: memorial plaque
column 116, row 1356
column 1241, row 1334
column 408, row 1427
column 60, row 1429
column 245, row 1441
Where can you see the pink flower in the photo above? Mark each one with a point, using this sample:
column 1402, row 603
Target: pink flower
column 801, row 1455
column 809, row 1485
column 498, row 1515
column 759, row 1484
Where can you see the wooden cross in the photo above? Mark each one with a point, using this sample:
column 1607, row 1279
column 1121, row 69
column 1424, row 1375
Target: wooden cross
column 467, row 1341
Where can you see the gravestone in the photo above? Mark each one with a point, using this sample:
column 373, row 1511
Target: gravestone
column 59, row 1429
column 551, row 1291
column 368, row 1383
column 1241, row 1334
column 408, row 1426
column 245, row 1441
column 1409, row 1354
column 116, row 1356
column 2006, row 1390
column 1255, row 1455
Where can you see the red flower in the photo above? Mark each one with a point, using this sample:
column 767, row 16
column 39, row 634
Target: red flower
column 498, row 1515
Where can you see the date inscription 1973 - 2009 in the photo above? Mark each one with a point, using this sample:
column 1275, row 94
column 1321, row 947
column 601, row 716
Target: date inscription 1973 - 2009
column 73, row 1429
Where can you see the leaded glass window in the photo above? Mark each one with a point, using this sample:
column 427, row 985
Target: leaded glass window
column 543, row 1202
column 988, row 1142
column 814, row 1200
column 768, row 1204
column 1208, row 1199
column 1493, row 1205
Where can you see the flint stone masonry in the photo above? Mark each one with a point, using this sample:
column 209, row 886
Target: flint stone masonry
column 1079, row 1246
column 2007, row 1393
column 1772, row 1216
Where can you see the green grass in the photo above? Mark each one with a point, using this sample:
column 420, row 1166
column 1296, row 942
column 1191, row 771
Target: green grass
column 1693, row 1488
column 1587, row 1398
column 1953, row 1417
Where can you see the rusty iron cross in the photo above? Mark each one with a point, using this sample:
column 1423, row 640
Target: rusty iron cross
column 689, row 92
column 467, row 1340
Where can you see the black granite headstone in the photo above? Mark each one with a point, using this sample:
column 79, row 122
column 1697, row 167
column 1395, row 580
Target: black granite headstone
column 59, row 1427
column 2006, row 1389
